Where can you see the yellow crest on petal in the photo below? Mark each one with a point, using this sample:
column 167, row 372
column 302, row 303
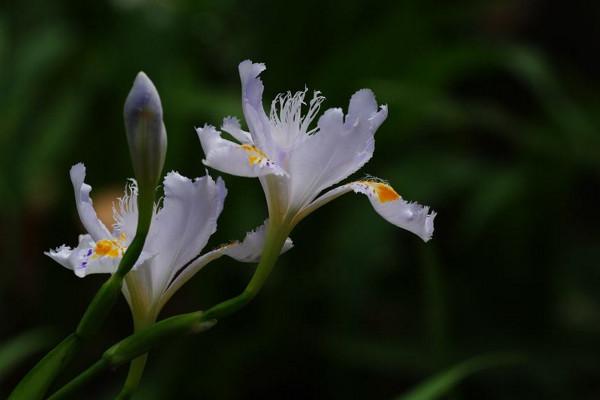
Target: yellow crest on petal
column 255, row 155
column 382, row 190
column 109, row 248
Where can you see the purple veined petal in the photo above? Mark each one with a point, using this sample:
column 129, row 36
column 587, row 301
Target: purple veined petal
column 85, row 259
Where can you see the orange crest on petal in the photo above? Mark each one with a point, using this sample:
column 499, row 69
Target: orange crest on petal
column 383, row 191
column 255, row 155
column 107, row 248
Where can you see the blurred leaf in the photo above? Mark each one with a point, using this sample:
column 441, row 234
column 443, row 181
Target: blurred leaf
column 28, row 75
column 383, row 355
column 435, row 301
column 3, row 40
column 54, row 131
column 492, row 197
column 442, row 383
column 19, row 348
column 576, row 128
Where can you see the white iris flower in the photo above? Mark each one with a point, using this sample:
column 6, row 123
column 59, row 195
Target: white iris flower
column 178, row 233
column 296, row 162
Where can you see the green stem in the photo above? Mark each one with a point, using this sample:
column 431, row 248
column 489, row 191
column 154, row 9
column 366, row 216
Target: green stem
column 80, row 380
column 136, row 370
column 136, row 367
column 273, row 245
column 141, row 342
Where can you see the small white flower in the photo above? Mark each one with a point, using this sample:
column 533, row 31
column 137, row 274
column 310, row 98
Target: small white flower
column 295, row 163
column 178, row 233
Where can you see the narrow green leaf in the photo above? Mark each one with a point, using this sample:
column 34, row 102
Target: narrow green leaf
column 443, row 382
column 36, row 383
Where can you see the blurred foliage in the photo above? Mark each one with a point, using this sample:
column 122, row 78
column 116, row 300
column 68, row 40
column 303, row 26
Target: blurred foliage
column 494, row 119
column 17, row 349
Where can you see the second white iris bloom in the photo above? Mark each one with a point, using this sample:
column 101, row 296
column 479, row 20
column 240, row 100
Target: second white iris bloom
column 180, row 229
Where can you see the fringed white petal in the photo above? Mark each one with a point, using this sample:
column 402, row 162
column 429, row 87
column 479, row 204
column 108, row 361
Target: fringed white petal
column 61, row 255
column 187, row 273
column 235, row 159
column 85, row 259
column 340, row 147
column 363, row 110
column 413, row 217
column 232, row 126
column 252, row 91
column 85, row 208
column 248, row 250
column 181, row 229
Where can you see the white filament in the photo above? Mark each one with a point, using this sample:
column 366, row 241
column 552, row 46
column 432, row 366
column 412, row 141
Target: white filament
column 289, row 125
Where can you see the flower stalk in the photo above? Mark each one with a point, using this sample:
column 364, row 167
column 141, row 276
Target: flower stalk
column 36, row 383
column 141, row 113
column 137, row 365
column 276, row 236
column 141, row 342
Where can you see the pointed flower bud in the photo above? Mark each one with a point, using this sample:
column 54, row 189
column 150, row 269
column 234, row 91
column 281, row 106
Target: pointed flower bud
column 146, row 133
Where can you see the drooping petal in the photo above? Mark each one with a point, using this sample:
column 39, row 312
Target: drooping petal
column 85, row 208
column 181, row 229
column 338, row 149
column 235, row 159
column 413, row 217
column 232, row 126
column 89, row 257
column 61, row 255
column 248, row 250
column 252, row 91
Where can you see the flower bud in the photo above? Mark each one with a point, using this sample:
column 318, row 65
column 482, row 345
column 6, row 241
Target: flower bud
column 146, row 133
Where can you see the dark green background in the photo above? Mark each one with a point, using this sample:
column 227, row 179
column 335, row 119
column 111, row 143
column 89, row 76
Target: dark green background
column 493, row 121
